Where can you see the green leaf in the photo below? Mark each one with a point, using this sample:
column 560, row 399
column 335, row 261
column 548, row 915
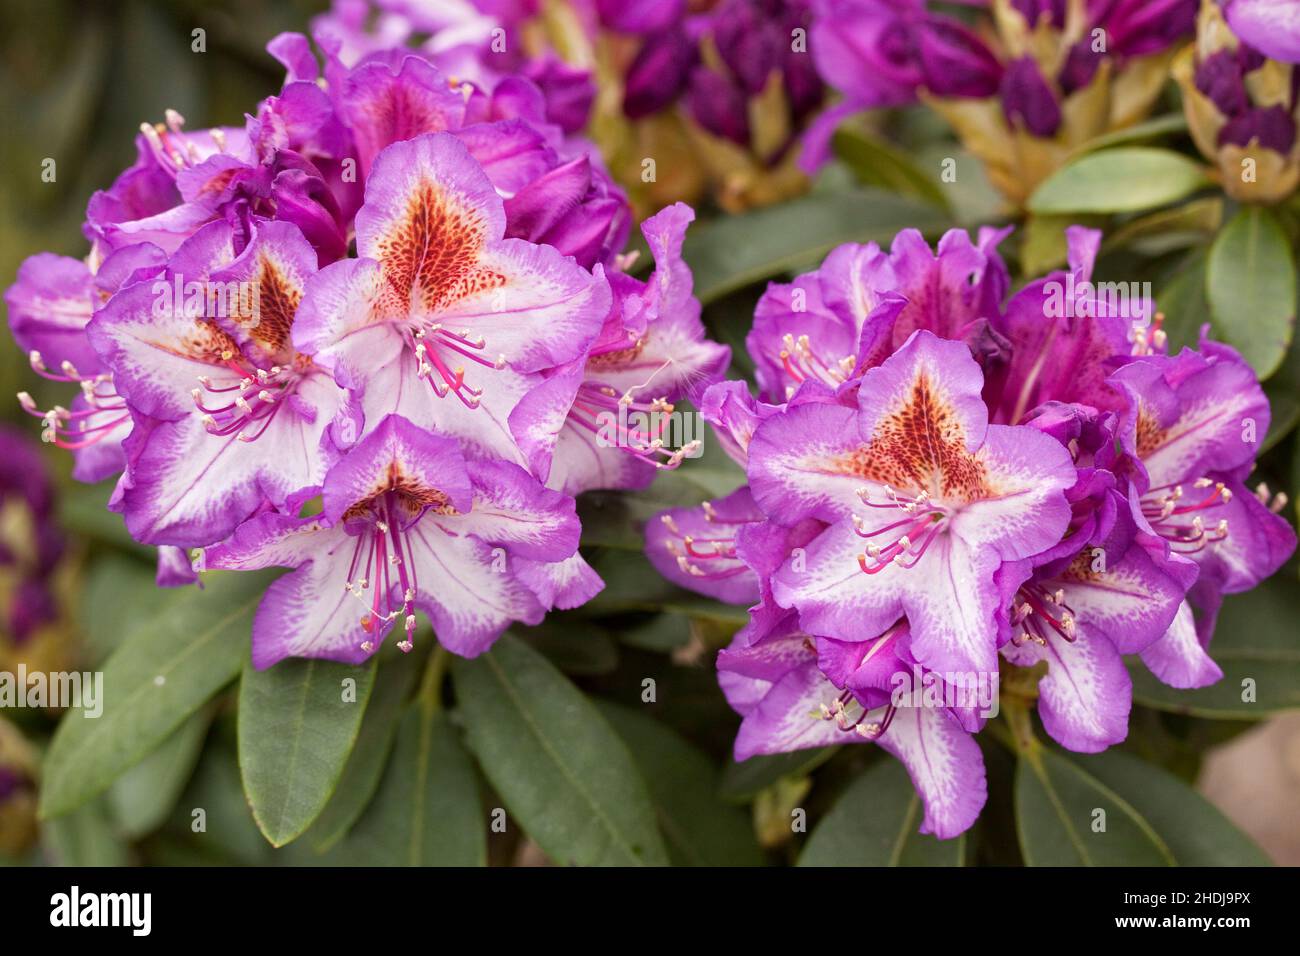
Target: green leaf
column 296, row 731
column 1254, row 640
column 426, row 811
column 118, row 591
column 1183, row 302
column 562, row 771
column 86, row 837
column 875, row 822
column 365, row 766
column 142, row 797
column 1194, row 830
column 734, row 251
column 742, row 781
column 699, row 829
column 875, row 162
column 1126, row 179
column 1188, row 224
column 1058, row 804
column 1250, row 282
column 167, row 667
column 1140, row 132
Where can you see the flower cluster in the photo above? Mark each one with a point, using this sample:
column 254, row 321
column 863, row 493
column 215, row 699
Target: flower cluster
column 377, row 335
column 944, row 483
column 1240, row 98
column 1029, row 84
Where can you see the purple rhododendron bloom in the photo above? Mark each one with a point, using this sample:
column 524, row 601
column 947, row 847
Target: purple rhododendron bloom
column 925, row 501
column 1270, row 26
column 236, row 360
column 941, row 478
column 206, row 390
column 794, row 692
column 442, row 319
column 490, row 544
column 598, row 421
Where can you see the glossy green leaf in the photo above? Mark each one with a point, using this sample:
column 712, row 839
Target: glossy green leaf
column 1154, row 128
column 142, row 797
column 86, row 837
column 365, row 766
column 119, row 591
column 298, row 721
column 1125, row 179
column 1256, row 648
column 426, row 811
column 742, row 781
column 734, row 251
column 874, row 162
column 1194, row 830
column 1250, row 282
column 168, row 666
column 1182, row 300
column 1067, row 817
column 565, row 776
column 876, row 822
column 699, row 828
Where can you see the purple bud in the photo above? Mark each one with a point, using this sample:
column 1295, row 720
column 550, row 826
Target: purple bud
column 1273, row 126
column 569, row 92
column 749, row 43
column 659, row 73
column 10, row 783
column 1219, row 77
column 1137, row 27
column 1034, row 10
column 639, row 16
column 573, row 208
column 1028, row 101
column 719, row 105
column 1080, row 67
column 955, row 61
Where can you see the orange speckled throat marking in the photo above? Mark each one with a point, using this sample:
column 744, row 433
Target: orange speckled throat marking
column 434, row 252
column 921, row 445
column 410, row 495
column 1150, row 434
column 277, row 303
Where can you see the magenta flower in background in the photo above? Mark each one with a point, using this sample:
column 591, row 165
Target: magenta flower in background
column 32, row 542
column 1270, row 26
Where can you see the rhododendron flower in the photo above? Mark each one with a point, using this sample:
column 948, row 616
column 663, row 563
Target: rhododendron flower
column 612, row 407
column 441, row 319
column 228, row 415
column 407, row 526
column 1271, row 26
column 939, row 480
column 925, row 500
column 1192, row 426
column 795, row 692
